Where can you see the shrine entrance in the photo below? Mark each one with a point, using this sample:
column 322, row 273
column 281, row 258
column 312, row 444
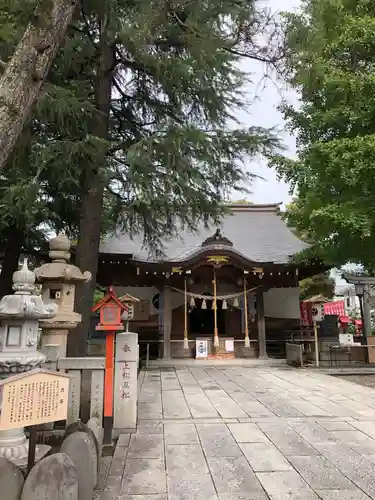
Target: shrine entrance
column 202, row 318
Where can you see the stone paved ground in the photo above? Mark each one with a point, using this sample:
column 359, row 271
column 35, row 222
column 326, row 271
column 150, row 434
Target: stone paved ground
column 237, row 433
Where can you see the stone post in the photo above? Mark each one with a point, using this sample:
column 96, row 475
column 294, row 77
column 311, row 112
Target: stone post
column 20, row 314
column 125, row 390
column 59, row 279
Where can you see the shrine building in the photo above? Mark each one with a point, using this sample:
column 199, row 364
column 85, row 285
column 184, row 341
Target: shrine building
column 234, row 286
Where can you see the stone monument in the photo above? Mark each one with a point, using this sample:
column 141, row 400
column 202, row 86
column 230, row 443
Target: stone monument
column 20, row 314
column 59, row 279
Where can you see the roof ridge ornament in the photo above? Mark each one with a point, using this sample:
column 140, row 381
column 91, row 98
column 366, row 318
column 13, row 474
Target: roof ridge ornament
column 217, row 239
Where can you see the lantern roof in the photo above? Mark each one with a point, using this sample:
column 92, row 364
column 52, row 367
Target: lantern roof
column 110, row 296
column 129, row 298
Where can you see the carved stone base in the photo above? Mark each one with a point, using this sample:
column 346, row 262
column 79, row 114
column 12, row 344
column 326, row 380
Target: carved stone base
column 15, row 447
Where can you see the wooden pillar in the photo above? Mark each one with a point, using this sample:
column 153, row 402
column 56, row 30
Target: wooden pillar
column 167, row 321
column 261, row 324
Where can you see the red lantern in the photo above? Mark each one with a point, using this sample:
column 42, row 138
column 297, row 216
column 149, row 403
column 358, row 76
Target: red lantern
column 110, row 308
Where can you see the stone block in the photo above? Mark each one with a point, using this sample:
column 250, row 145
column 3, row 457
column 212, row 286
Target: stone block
column 183, row 459
column 319, row 473
column 126, row 346
column 247, row 433
column 146, row 446
column 233, row 475
column 123, row 440
column 353, row 494
column 11, row 480
column 217, row 441
column 335, row 425
column 284, row 485
column 81, row 448
column 264, row 457
column 287, row 440
column 195, row 487
column 150, row 428
column 180, row 434
column 144, row 477
column 54, row 478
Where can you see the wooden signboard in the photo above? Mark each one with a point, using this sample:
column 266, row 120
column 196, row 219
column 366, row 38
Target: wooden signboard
column 33, row 398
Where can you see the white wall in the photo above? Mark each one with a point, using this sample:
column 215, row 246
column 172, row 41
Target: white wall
column 278, row 302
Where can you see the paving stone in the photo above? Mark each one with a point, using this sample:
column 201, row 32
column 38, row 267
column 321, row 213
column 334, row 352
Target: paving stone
column 217, row 441
column 145, row 427
column 366, row 427
column 279, row 407
column 255, row 495
column 312, row 432
column 264, row 457
column 144, row 477
column 308, row 409
column 354, row 494
column 233, row 475
column 180, row 434
column 335, row 425
column 142, row 497
column 358, row 441
column 319, row 473
column 247, row 433
column 123, row 440
column 287, row 440
column 282, row 485
column 174, row 405
column 196, row 487
column 225, row 405
column 353, row 465
column 200, row 406
column 185, row 459
column 146, row 446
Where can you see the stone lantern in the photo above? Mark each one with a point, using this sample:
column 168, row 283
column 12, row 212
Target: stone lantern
column 20, row 314
column 59, row 279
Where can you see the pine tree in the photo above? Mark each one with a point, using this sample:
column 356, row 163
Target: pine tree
column 168, row 84
column 132, row 123
column 26, row 71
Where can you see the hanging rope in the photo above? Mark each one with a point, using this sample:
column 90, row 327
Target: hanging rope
column 209, row 297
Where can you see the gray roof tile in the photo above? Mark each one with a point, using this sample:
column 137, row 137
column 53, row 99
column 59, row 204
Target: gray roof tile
column 256, row 231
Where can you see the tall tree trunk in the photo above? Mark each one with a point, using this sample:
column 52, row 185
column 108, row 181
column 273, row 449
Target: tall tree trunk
column 25, row 73
column 92, row 200
column 14, row 242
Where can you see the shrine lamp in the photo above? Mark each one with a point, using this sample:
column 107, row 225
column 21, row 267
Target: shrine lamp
column 110, row 309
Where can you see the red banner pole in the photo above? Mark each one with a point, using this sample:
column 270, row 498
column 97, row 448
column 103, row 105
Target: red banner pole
column 108, row 387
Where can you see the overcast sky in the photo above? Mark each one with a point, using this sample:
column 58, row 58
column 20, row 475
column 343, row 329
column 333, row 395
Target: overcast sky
column 263, row 112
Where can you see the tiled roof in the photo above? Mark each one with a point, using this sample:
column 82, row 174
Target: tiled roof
column 256, row 231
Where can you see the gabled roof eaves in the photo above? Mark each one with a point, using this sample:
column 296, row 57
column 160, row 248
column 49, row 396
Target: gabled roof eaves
column 256, row 231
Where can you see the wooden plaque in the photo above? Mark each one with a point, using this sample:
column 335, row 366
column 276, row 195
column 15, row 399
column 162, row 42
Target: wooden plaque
column 37, row 397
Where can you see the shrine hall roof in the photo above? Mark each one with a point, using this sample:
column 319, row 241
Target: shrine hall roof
column 257, row 232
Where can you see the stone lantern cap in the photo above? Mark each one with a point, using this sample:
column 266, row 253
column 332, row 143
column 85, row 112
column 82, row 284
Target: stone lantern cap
column 23, row 304
column 60, row 269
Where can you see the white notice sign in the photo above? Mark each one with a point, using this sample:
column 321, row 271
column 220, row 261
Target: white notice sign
column 346, row 339
column 201, row 347
column 36, row 397
column 229, row 345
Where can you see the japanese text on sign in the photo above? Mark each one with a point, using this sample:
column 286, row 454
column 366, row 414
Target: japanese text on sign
column 34, row 398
